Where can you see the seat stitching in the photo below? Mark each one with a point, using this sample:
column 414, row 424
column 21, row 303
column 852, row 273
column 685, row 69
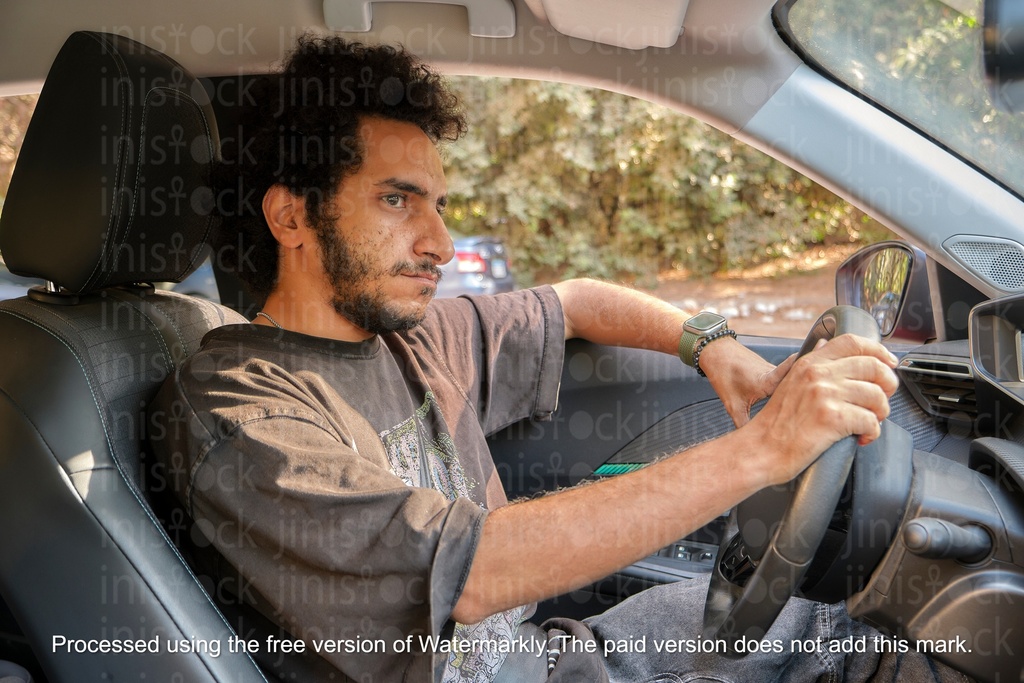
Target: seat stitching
column 131, row 489
column 125, row 113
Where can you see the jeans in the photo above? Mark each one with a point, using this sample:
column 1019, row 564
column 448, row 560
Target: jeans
column 673, row 614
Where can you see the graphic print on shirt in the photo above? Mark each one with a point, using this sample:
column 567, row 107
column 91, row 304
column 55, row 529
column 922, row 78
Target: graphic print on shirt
column 425, row 457
column 481, row 664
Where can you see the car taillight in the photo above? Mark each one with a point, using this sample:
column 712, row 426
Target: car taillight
column 468, row 262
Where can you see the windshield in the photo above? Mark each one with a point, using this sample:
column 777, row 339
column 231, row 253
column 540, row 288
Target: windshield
column 921, row 60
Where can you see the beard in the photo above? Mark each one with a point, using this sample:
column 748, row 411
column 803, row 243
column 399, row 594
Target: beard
column 366, row 307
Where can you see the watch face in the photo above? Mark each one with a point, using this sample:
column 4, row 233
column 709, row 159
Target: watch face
column 704, row 322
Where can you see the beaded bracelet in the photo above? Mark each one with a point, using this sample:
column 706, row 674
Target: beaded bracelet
column 704, row 342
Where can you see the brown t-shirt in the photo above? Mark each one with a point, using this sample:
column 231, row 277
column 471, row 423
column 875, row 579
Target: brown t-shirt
column 349, row 481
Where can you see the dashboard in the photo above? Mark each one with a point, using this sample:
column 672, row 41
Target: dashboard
column 997, row 349
column 961, row 449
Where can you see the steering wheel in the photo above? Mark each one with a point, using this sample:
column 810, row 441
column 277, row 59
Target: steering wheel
column 752, row 582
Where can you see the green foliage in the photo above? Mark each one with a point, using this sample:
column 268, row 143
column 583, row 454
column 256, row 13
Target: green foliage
column 583, row 181
column 15, row 113
column 586, row 182
column 920, row 59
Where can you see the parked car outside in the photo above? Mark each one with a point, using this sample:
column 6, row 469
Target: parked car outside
column 481, row 266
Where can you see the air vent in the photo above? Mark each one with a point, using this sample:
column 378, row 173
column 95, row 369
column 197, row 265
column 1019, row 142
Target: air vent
column 943, row 388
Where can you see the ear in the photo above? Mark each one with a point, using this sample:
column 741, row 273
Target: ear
column 286, row 216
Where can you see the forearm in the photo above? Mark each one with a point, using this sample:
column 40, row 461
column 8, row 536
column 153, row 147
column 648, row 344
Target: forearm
column 610, row 314
column 544, row 547
column 614, row 315
column 617, row 316
column 531, row 551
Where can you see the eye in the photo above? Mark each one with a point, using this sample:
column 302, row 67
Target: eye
column 442, row 207
column 396, row 201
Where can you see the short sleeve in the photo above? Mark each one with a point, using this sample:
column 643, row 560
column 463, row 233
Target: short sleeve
column 505, row 351
column 307, row 510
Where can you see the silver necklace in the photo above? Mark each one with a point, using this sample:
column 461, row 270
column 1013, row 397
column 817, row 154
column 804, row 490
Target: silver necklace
column 272, row 321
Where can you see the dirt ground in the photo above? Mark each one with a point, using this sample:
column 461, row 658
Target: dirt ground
column 780, row 299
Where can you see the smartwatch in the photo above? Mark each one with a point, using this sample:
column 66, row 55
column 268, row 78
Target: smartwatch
column 699, row 330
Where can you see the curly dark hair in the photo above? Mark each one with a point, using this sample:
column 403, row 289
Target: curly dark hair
column 302, row 132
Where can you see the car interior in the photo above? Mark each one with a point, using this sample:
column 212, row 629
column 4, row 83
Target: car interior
column 920, row 532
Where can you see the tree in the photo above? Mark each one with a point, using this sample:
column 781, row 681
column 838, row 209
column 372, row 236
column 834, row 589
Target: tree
column 15, row 113
column 583, row 181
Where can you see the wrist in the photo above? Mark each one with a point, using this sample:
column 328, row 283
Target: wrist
column 699, row 331
column 751, row 465
column 721, row 357
column 698, row 353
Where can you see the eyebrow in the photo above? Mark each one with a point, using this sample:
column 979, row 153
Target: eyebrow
column 411, row 188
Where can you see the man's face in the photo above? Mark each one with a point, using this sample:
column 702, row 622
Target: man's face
column 383, row 239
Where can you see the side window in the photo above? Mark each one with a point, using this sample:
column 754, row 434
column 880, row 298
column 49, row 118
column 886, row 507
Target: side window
column 580, row 181
column 583, row 182
column 15, row 113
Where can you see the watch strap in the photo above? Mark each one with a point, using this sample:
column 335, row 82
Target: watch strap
column 687, row 345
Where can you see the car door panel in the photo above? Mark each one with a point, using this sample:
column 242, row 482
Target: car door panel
column 616, row 407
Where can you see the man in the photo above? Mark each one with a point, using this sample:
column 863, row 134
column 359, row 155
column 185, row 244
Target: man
column 333, row 452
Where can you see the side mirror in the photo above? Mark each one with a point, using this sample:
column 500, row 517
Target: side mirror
column 889, row 280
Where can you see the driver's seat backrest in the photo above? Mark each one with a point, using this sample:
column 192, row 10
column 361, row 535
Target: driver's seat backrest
column 112, row 189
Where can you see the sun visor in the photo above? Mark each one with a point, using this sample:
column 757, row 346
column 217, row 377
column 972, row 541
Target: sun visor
column 634, row 25
column 487, row 18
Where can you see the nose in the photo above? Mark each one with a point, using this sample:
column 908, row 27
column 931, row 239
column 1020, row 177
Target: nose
column 435, row 242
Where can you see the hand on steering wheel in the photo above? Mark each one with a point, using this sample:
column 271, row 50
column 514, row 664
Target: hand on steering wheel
column 748, row 592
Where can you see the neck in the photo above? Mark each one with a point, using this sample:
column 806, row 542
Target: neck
column 309, row 316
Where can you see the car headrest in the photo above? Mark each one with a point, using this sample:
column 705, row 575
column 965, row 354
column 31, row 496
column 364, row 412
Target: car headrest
column 113, row 184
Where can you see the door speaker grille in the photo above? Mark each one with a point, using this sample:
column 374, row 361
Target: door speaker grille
column 999, row 262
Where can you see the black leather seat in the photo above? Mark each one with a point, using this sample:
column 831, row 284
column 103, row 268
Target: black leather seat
column 111, row 192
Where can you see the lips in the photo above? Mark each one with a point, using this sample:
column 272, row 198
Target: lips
column 420, row 271
column 426, row 278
